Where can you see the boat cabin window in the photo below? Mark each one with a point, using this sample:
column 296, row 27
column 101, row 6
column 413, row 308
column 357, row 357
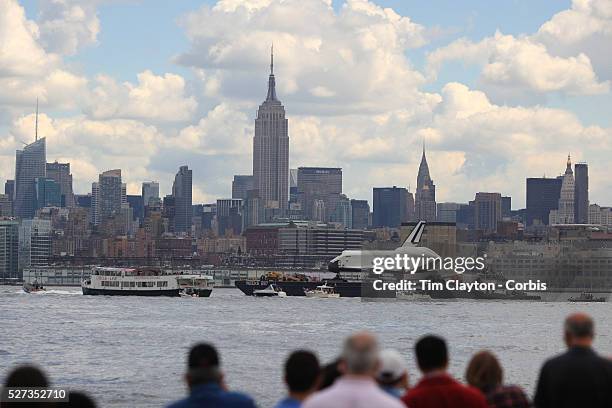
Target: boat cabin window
column 162, row 284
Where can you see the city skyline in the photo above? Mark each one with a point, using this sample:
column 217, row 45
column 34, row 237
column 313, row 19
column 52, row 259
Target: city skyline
column 199, row 108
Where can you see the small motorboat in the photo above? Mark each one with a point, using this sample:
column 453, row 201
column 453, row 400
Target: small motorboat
column 322, row 292
column 33, row 287
column 586, row 297
column 412, row 296
column 270, row 291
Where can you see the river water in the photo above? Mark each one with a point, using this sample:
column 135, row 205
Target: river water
column 131, row 351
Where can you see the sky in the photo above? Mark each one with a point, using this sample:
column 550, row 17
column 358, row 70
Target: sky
column 497, row 91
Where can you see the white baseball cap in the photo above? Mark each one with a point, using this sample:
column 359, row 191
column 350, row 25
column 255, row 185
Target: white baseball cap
column 392, row 366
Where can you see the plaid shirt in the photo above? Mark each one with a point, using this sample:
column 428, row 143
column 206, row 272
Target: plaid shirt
column 509, row 396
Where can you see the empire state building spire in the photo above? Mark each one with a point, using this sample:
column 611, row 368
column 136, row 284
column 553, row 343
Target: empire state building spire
column 271, row 81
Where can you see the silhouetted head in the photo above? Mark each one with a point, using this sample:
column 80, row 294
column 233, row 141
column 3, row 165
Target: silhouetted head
column 360, row 354
column 484, row 371
column 579, row 330
column 330, row 373
column 302, row 373
column 203, row 365
column 77, row 399
column 26, row 376
column 431, row 354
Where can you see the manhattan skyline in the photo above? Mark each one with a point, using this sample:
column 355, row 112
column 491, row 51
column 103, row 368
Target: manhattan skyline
column 363, row 97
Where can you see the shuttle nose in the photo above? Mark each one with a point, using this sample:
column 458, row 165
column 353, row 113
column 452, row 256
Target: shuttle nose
column 333, row 266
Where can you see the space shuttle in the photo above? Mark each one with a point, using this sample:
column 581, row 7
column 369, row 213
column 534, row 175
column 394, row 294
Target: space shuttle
column 359, row 260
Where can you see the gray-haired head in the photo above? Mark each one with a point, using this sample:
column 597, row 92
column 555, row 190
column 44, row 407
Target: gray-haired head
column 360, row 354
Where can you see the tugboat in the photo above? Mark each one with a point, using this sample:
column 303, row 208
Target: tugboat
column 33, row 287
column 271, row 291
column 586, row 297
column 195, row 285
column 322, row 292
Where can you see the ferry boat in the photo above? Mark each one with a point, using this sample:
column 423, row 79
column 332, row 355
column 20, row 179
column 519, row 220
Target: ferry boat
column 322, row 291
column 130, row 282
column 195, row 285
column 586, row 297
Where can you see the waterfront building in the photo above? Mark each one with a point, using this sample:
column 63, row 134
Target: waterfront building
column 600, row 215
column 241, row 185
column 316, row 185
column 181, row 191
column 34, row 242
column 9, row 249
column 271, row 151
column 389, row 206
column 542, row 196
column 581, row 193
column 60, row 173
column 425, row 198
column 30, row 164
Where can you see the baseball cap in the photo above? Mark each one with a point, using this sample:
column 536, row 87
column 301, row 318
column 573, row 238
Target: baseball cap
column 392, row 366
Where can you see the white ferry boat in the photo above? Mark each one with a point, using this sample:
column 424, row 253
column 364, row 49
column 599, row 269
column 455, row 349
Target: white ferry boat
column 130, row 281
column 195, row 285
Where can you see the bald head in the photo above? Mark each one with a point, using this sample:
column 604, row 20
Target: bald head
column 360, row 354
column 579, row 330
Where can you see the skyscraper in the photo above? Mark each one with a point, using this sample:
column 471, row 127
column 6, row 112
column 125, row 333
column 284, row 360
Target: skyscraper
column 542, row 197
column 425, row 198
column 389, row 207
column 30, row 163
column 241, row 185
column 108, row 195
column 271, row 150
column 60, row 173
column 581, row 193
column 565, row 212
column 322, row 185
column 150, row 193
column 487, row 211
column 48, row 193
column 34, row 242
column 360, row 212
column 181, row 190
column 9, row 189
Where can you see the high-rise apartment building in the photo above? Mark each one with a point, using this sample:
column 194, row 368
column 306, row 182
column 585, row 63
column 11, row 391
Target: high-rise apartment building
column 271, row 150
column 108, row 196
column 34, row 243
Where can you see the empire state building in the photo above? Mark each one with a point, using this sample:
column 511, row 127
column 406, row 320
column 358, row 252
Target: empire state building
column 271, row 150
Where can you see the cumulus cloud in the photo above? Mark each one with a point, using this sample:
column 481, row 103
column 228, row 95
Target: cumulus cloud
column 522, row 63
column 316, row 47
column 67, row 25
column 154, row 97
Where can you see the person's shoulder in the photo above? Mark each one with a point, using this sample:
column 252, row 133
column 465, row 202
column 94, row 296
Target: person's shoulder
column 183, row 403
column 388, row 401
column 237, row 399
column 321, row 398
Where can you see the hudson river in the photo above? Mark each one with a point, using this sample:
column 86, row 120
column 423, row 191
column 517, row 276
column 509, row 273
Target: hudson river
column 130, row 351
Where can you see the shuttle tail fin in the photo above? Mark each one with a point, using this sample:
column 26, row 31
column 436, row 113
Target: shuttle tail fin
column 415, row 236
